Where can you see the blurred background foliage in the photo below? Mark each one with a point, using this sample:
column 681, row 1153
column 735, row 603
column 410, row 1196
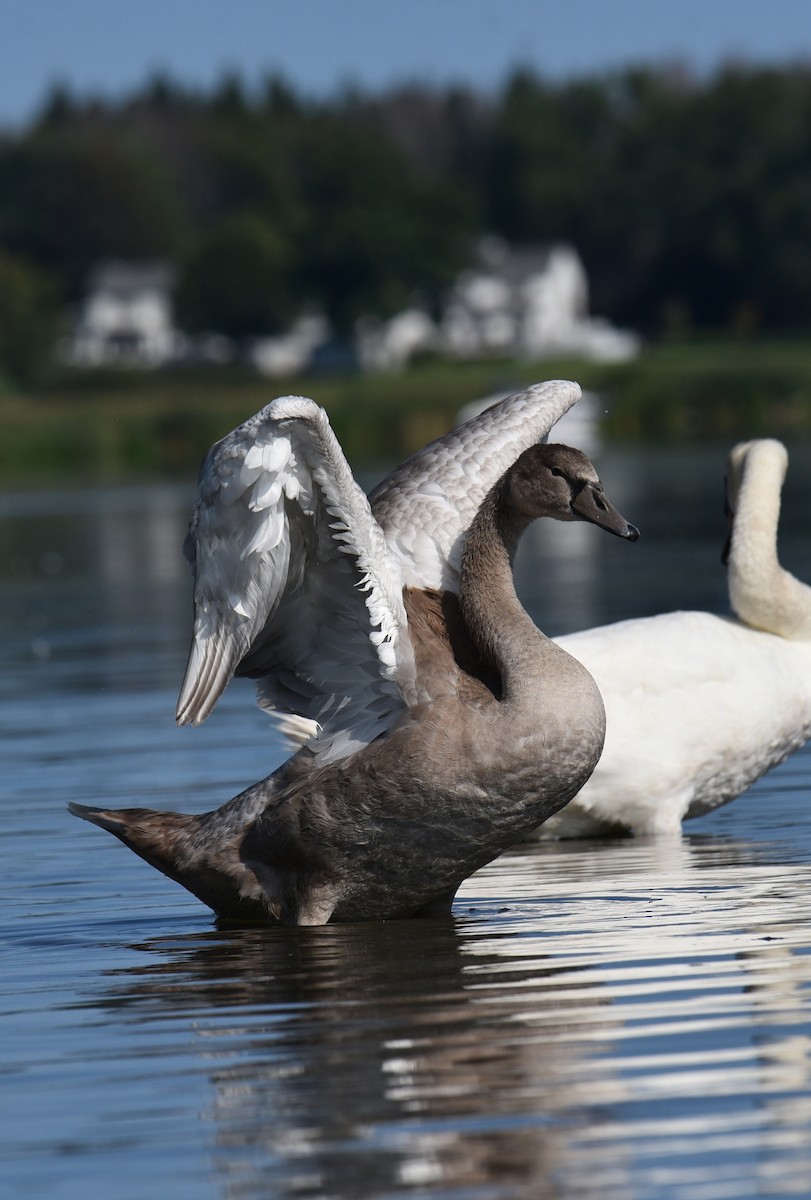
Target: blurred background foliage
column 688, row 200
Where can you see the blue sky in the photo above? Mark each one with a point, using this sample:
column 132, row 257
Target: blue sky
column 112, row 46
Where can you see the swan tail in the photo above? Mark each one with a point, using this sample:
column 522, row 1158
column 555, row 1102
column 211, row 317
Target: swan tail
column 155, row 836
column 174, row 844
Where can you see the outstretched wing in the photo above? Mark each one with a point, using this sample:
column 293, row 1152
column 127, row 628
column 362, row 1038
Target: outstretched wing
column 425, row 505
column 294, row 582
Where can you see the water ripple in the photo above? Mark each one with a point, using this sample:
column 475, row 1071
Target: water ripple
column 617, row 1021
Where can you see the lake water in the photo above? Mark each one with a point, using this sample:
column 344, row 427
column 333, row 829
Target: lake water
column 617, row 1020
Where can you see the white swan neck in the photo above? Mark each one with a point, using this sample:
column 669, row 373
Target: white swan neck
column 762, row 593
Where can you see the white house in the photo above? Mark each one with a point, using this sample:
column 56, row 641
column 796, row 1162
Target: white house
column 126, row 318
column 515, row 302
column 389, row 345
column 290, row 352
column 528, row 302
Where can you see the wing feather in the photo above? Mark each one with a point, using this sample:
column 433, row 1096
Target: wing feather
column 425, row 505
column 294, row 582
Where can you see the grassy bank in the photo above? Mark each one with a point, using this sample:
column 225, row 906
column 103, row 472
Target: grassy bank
column 106, row 428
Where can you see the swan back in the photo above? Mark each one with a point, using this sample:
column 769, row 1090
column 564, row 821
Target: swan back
column 697, row 707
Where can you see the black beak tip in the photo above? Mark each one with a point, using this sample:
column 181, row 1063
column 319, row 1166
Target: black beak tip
column 632, row 534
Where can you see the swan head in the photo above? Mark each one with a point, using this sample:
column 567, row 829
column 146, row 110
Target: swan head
column 559, row 481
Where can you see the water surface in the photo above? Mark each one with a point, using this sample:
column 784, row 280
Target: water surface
column 616, row 1019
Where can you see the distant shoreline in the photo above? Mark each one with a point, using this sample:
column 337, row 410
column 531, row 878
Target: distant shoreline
column 134, row 426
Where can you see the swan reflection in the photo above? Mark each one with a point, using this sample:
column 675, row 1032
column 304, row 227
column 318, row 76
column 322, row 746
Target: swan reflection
column 357, row 1059
column 581, row 993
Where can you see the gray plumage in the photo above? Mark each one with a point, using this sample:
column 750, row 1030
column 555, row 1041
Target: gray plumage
column 501, row 729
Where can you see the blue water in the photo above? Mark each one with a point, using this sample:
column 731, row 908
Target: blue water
column 613, row 1020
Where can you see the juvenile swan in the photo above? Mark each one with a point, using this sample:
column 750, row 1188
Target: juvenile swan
column 418, row 774
column 698, row 706
column 276, row 515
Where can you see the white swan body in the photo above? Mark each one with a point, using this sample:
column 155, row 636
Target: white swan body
column 699, row 706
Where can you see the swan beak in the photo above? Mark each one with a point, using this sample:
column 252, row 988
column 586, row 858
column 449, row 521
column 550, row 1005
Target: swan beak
column 592, row 504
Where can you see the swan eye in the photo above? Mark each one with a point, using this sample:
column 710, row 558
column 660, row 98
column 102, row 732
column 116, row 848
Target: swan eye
column 556, row 471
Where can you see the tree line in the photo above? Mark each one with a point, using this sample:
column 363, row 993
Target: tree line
column 688, row 199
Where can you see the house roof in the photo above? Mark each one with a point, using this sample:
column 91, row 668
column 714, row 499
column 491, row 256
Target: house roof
column 514, row 263
column 125, row 279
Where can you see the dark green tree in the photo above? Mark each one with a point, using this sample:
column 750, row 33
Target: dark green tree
column 375, row 232
column 69, row 201
column 237, row 280
column 29, row 321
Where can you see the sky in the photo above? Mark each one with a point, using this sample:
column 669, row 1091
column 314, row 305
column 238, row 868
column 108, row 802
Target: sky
column 111, row 47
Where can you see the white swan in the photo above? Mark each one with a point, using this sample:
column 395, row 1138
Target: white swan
column 699, row 706
column 414, row 773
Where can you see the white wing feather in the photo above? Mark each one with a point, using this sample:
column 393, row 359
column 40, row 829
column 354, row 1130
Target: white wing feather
column 425, row 505
column 294, row 582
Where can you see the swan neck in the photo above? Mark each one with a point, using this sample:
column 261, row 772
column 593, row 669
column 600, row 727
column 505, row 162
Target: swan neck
column 502, row 630
column 762, row 593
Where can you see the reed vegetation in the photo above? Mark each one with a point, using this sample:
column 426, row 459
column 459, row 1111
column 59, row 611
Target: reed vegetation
column 132, row 425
